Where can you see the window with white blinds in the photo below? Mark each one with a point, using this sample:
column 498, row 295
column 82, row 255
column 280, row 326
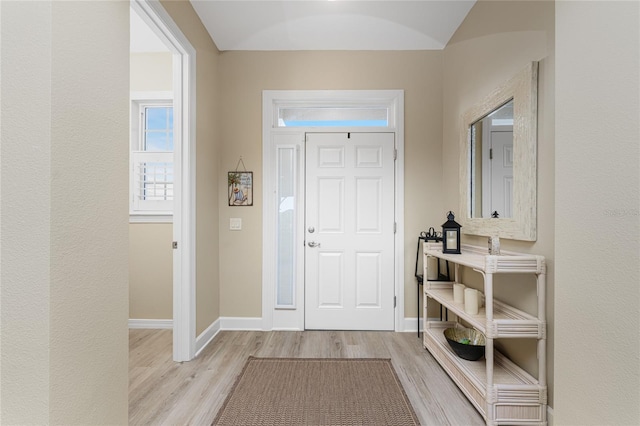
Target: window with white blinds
column 152, row 171
column 152, row 181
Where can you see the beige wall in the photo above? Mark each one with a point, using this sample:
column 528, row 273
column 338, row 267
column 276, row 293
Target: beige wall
column 150, row 252
column 597, row 320
column 207, row 153
column 245, row 74
column 63, row 211
column 151, row 71
column 25, row 221
column 150, row 271
column 495, row 41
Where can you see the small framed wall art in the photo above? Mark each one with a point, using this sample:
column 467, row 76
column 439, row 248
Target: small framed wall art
column 240, row 188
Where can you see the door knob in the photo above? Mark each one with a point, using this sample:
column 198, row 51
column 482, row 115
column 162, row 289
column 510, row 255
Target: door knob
column 313, row 244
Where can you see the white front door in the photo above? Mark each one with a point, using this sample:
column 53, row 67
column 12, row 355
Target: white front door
column 349, row 231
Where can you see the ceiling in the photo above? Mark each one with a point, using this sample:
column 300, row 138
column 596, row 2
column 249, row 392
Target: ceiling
column 330, row 25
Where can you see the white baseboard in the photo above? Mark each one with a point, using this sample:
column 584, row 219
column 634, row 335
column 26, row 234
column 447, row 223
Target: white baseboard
column 411, row 325
column 151, row 323
column 255, row 324
column 207, row 336
column 238, row 324
column 222, row 323
column 226, row 323
column 241, row 323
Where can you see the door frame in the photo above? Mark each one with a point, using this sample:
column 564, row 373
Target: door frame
column 184, row 232
column 278, row 318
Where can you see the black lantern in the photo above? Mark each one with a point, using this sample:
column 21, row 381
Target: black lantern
column 451, row 235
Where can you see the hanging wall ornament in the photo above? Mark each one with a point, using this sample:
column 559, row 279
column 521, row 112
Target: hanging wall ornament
column 240, row 183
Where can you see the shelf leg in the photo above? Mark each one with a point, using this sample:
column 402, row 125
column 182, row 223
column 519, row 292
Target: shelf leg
column 488, row 350
column 418, row 307
column 542, row 315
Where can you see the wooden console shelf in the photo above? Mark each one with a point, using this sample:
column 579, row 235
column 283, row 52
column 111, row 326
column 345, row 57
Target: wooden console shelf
column 501, row 391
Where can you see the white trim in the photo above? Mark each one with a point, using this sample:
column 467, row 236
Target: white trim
column 224, row 324
column 153, row 95
column 411, row 323
column 271, row 100
column 549, row 416
column 159, row 324
column 399, row 240
column 184, row 103
column 150, row 218
column 207, row 336
column 241, row 323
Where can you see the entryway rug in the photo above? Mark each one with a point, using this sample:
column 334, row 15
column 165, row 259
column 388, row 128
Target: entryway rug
column 319, row 391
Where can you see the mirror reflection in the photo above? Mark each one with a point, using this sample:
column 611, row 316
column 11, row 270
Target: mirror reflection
column 491, row 169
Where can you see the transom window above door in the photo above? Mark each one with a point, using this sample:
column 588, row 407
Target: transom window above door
column 293, row 116
column 334, row 108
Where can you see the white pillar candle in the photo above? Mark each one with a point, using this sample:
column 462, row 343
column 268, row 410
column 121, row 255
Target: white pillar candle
column 452, row 240
column 480, row 300
column 458, row 292
column 432, row 268
column 471, row 301
column 494, row 245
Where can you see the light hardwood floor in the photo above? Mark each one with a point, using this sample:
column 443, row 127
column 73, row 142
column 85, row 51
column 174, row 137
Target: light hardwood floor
column 164, row 392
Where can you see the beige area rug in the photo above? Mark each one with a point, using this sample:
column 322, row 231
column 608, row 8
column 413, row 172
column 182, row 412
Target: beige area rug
column 302, row 391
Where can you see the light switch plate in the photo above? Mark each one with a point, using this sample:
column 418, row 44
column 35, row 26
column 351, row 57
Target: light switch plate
column 235, row 223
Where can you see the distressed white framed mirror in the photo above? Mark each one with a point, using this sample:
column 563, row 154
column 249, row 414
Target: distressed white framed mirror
column 498, row 161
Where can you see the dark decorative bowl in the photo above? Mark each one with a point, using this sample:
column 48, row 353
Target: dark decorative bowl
column 467, row 343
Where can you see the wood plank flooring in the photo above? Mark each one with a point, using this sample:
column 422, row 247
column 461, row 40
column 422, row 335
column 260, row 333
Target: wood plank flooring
column 165, row 392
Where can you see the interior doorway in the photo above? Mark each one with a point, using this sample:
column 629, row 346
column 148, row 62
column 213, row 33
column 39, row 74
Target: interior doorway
column 183, row 230
column 151, row 186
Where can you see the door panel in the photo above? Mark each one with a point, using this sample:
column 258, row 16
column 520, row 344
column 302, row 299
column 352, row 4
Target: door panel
column 331, row 208
column 502, row 173
column 330, row 273
column 368, row 205
column 349, row 220
column 368, row 280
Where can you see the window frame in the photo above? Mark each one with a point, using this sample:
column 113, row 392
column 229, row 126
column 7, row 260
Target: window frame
column 140, row 100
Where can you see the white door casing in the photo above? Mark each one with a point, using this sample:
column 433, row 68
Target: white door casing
column 276, row 138
column 349, row 231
